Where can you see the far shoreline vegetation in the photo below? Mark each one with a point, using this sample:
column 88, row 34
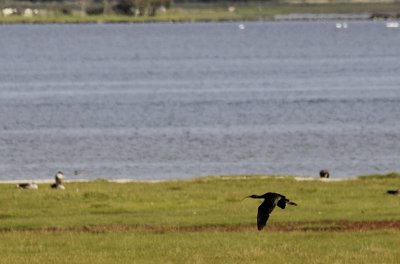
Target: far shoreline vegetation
column 152, row 11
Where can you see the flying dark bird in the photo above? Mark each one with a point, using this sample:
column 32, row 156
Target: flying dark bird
column 265, row 209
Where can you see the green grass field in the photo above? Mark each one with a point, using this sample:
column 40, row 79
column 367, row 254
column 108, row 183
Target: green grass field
column 203, row 220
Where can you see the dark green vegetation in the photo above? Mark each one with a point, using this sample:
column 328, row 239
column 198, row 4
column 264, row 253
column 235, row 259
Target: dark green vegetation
column 201, row 221
column 183, row 12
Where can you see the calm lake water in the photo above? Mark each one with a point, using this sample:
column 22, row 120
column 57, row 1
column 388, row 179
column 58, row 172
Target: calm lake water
column 163, row 101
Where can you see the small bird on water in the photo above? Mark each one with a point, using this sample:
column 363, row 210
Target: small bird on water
column 265, row 209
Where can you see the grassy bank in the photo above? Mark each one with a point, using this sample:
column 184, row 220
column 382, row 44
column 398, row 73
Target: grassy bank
column 201, row 221
column 251, row 12
column 206, row 247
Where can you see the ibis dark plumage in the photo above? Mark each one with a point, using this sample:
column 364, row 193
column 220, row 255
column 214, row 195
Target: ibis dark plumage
column 265, row 209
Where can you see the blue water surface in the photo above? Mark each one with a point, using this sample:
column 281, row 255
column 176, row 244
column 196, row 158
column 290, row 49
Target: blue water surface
column 171, row 101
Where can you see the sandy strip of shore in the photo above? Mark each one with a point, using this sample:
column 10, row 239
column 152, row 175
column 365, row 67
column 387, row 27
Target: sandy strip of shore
column 50, row 181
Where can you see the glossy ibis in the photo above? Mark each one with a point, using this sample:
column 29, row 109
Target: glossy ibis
column 265, row 209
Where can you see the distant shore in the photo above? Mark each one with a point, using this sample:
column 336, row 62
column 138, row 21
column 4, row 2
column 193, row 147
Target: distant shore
column 49, row 181
column 211, row 177
column 229, row 12
column 125, row 180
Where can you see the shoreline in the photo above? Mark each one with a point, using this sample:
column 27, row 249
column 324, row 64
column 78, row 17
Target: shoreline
column 290, row 17
column 232, row 12
column 125, row 180
column 50, row 181
column 212, row 177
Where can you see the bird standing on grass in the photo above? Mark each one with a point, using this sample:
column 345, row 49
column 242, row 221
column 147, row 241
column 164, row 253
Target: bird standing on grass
column 265, row 209
column 324, row 174
column 31, row 185
column 394, row 192
column 59, row 177
column 59, row 181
